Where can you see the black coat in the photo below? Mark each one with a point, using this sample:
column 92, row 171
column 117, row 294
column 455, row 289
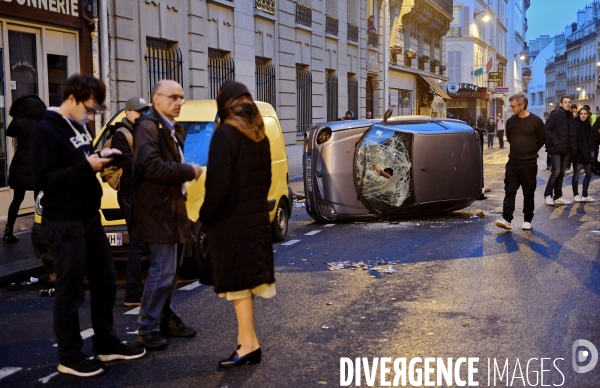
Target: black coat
column 560, row 133
column 159, row 212
column 490, row 128
column 25, row 112
column 583, row 153
column 236, row 211
column 481, row 123
column 119, row 141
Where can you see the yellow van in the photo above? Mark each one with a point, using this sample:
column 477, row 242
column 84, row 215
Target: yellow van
column 199, row 118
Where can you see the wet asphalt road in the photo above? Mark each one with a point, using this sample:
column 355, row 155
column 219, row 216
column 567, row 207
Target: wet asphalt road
column 462, row 288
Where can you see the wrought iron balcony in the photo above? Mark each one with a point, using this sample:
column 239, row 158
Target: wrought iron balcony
column 267, row 6
column 352, row 32
column 303, row 14
column 446, row 5
column 373, row 38
column 454, row 31
column 332, row 25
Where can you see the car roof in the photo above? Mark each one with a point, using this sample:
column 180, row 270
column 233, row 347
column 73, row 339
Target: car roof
column 206, row 110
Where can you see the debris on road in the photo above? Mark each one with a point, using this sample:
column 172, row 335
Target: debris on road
column 47, row 292
column 380, row 266
column 325, row 327
column 33, row 280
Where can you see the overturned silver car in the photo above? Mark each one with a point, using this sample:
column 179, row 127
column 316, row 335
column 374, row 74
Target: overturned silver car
column 398, row 167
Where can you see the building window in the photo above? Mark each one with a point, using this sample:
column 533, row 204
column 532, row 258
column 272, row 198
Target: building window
column 331, row 86
column 265, row 81
column 353, row 93
column 303, row 99
column 164, row 61
column 221, row 68
column 455, row 66
column 370, row 94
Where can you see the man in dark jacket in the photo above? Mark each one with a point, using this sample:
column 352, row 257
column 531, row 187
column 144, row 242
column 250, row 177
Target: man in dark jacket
column 64, row 168
column 159, row 212
column 122, row 137
column 526, row 134
column 560, row 144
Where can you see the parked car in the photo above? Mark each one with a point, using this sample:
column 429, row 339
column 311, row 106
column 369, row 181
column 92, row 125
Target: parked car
column 199, row 118
column 398, row 167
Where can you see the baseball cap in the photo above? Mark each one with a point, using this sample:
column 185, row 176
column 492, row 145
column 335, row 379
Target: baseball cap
column 136, row 103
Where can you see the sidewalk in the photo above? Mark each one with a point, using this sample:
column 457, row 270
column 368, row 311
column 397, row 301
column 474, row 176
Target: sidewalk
column 18, row 259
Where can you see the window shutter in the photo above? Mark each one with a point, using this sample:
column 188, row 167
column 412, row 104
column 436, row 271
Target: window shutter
column 466, row 21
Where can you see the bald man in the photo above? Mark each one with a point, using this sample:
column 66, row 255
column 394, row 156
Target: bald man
column 159, row 212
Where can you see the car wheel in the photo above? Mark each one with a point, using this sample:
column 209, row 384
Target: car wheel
column 201, row 257
column 279, row 226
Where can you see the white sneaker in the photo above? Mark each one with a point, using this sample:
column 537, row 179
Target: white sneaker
column 577, row 198
column 549, row 200
column 503, row 224
column 588, row 199
column 561, row 201
column 526, row 225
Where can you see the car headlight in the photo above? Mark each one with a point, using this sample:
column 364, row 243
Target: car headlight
column 38, row 203
column 323, row 135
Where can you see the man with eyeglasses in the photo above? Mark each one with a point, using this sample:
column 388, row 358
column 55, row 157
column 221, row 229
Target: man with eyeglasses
column 64, row 168
column 159, row 211
column 526, row 134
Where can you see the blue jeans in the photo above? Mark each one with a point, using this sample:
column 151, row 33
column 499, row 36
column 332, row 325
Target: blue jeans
column 555, row 181
column 135, row 254
column 161, row 283
column 586, row 181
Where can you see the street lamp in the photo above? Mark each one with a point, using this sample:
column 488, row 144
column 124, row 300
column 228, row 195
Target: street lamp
column 578, row 89
column 597, row 63
column 485, row 18
column 522, row 56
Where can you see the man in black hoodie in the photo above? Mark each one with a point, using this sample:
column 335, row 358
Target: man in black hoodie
column 64, row 167
column 526, row 135
column 560, row 144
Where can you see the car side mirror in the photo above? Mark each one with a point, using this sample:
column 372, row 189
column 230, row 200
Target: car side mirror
column 387, row 115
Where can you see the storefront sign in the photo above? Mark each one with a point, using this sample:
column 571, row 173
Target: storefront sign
column 468, row 87
column 66, row 7
column 501, row 89
column 456, row 104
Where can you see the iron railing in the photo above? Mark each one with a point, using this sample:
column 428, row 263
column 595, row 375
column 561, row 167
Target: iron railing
column 221, row 68
column 304, row 100
column 332, row 25
column 446, row 5
column 373, row 38
column 353, row 94
column 163, row 63
column 352, row 32
column 265, row 82
column 454, row 31
column 369, row 95
column 331, row 88
column 267, row 6
column 303, row 14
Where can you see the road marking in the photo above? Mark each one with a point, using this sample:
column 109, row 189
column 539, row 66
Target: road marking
column 191, row 286
column 44, row 380
column 291, row 242
column 135, row 311
column 312, row 233
column 328, row 225
column 7, row 371
column 84, row 334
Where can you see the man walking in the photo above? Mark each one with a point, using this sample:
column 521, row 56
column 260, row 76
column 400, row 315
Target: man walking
column 122, row 139
column 526, row 134
column 159, row 212
column 64, row 168
column 560, row 144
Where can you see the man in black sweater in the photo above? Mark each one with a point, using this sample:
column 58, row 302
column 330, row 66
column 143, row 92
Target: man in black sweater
column 526, row 134
column 64, row 167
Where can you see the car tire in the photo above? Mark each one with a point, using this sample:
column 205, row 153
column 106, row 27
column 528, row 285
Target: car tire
column 279, row 226
column 200, row 255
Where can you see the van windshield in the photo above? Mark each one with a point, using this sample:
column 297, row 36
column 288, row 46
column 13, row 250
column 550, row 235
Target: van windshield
column 197, row 141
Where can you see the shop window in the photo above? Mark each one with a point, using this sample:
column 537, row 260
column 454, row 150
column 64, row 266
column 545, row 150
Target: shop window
column 164, row 61
column 57, row 78
column 331, row 86
column 221, row 68
column 23, row 64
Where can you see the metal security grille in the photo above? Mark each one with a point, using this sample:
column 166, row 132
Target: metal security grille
column 369, row 96
column 303, row 14
column 267, row 6
column 352, row 32
column 353, row 94
column 163, row 63
column 265, row 82
column 331, row 86
column 331, row 25
column 304, row 100
column 221, row 68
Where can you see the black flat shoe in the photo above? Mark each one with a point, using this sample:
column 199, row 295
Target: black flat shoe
column 235, row 360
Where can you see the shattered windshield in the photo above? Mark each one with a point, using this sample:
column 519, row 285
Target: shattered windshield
column 383, row 167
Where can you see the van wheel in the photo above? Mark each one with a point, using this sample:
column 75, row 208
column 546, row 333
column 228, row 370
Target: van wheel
column 279, row 226
column 200, row 256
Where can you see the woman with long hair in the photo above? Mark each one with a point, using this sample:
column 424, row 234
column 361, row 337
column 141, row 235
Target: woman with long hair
column 490, row 128
column 236, row 214
column 583, row 155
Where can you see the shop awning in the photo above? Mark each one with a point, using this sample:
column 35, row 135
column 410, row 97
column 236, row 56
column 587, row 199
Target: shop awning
column 436, row 88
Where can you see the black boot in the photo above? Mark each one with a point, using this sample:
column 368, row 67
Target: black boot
column 9, row 237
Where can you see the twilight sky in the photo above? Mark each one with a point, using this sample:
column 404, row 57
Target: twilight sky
column 549, row 17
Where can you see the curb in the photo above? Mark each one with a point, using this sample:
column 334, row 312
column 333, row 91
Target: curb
column 12, row 271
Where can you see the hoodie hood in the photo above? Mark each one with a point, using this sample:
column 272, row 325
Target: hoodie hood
column 29, row 106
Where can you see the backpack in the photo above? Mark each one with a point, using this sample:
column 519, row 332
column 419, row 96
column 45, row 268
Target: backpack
column 112, row 174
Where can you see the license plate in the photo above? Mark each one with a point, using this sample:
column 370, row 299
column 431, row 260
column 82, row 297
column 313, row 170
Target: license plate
column 115, row 239
column 308, row 173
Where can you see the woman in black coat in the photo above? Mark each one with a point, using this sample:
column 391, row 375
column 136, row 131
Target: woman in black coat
column 583, row 155
column 490, row 128
column 25, row 112
column 236, row 214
